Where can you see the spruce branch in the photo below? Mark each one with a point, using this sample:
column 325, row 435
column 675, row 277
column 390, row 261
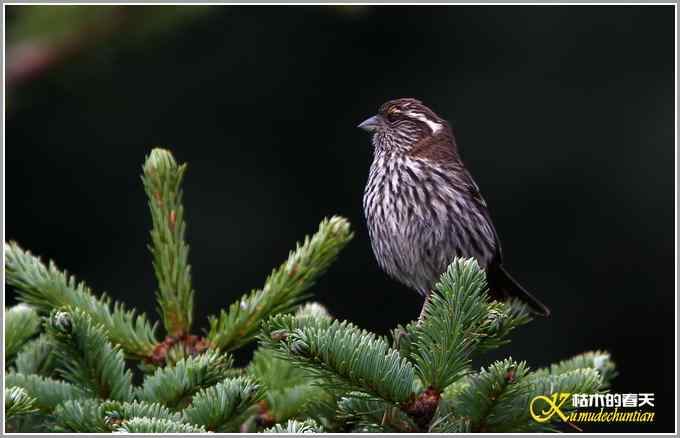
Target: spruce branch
column 48, row 392
column 491, row 331
column 289, row 389
column 18, row 402
column 174, row 386
column 503, row 317
column 449, row 330
column 449, row 423
column 90, row 415
column 455, row 389
column 37, row 357
column 285, row 287
column 342, row 356
column 275, row 373
column 497, row 398
column 156, row 425
column 403, row 340
column 582, row 381
column 86, row 356
column 80, row 416
column 598, row 360
column 310, row 373
column 291, row 392
column 296, row 401
column 221, row 407
column 324, row 412
column 162, row 180
column 21, row 323
column 116, row 412
column 369, row 414
column 35, row 422
column 489, row 392
column 47, row 288
column 294, row 426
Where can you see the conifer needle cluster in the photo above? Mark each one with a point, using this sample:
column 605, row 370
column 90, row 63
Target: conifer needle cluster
column 69, row 351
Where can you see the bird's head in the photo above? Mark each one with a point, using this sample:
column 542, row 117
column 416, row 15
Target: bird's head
column 401, row 124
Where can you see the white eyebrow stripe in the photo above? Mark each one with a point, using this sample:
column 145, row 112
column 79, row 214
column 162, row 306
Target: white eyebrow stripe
column 435, row 127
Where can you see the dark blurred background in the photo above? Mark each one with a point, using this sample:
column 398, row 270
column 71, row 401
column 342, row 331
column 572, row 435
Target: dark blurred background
column 565, row 116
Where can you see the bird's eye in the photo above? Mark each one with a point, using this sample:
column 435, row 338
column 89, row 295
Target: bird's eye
column 392, row 114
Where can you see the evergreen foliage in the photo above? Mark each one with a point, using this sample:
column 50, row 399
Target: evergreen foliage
column 87, row 358
column 18, row 402
column 46, row 288
column 91, row 415
column 221, row 407
column 285, row 287
column 294, row 426
column 453, row 316
column 309, row 373
column 37, row 357
column 21, row 323
column 289, row 391
column 599, row 360
column 162, row 180
column 366, row 414
column 157, row 425
column 342, row 356
column 175, row 386
column 48, row 392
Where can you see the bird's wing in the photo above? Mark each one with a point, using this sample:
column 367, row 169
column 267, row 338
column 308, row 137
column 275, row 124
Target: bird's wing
column 474, row 194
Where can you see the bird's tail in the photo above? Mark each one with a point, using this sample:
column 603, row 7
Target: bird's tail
column 503, row 286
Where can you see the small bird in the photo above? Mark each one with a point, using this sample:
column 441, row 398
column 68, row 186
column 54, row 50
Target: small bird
column 422, row 206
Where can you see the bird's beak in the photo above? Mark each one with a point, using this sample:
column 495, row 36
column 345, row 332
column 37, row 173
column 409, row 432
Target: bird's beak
column 370, row 124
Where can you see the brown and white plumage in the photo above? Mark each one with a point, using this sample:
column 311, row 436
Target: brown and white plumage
column 422, row 206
